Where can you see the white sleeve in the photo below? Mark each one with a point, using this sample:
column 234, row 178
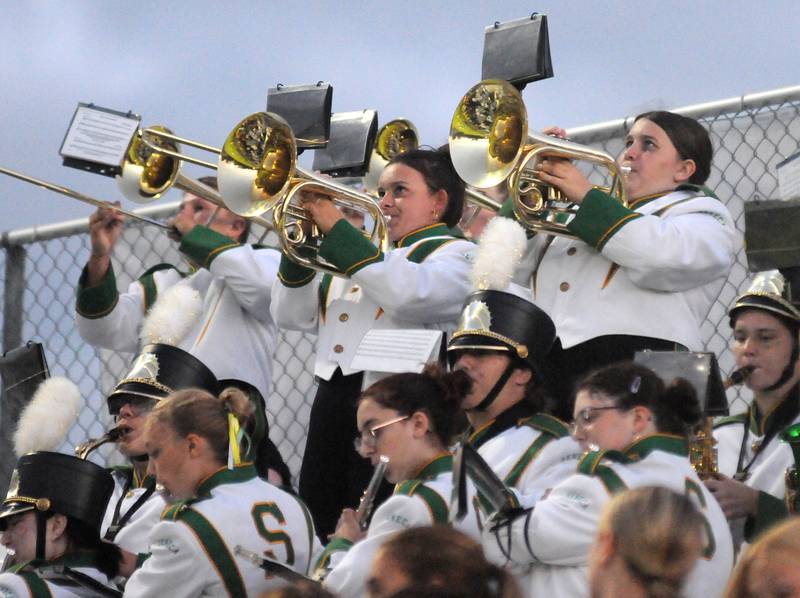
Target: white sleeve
column 690, row 245
column 296, row 308
column 14, row 586
column 351, row 569
column 557, row 461
column 250, row 274
column 178, row 566
column 429, row 292
column 558, row 531
column 118, row 329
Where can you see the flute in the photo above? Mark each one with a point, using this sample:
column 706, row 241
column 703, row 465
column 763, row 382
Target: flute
column 368, row 499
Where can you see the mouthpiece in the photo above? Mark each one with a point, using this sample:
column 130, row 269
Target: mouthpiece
column 738, row 377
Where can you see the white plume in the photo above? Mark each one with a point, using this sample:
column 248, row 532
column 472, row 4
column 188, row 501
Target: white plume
column 45, row 422
column 500, row 249
column 172, row 316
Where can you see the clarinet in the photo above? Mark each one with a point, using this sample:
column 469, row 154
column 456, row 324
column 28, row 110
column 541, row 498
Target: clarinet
column 368, row 498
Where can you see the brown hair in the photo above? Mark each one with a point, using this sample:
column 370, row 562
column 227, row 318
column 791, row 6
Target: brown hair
column 654, row 553
column 442, row 561
column 196, row 411
column 780, row 545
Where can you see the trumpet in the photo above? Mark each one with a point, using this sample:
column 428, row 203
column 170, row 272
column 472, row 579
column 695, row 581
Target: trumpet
column 84, row 449
column 98, row 203
column 151, row 168
column 394, row 138
column 258, row 172
column 490, row 144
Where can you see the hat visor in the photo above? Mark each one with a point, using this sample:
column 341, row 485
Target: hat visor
column 474, row 342
column 132, row 392
column 13, row 508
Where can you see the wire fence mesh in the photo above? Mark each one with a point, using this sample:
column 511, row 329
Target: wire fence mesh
column 750, row 135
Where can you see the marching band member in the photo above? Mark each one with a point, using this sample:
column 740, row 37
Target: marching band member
column 752, row 460
column 635, row 429
column 636, row 277
column 411, row 419
column 135, row 507
column 51, row 520
column 230, row 330
column 420, row 283
column 502, row 343
column 192, row 440
column 648, row 541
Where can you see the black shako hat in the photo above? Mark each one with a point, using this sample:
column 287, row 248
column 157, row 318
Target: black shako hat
column 768, row 292
column 158, row 371
column 46, row 481
column 501, row 321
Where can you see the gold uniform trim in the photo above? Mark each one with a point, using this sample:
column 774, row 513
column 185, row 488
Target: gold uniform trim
column 521, row 350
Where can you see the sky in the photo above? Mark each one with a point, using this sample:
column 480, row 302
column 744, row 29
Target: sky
column 199, row 67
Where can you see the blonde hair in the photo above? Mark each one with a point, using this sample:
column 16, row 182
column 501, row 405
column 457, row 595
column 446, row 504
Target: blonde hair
column 653, row 529
column 781, row 544
column 196, row 411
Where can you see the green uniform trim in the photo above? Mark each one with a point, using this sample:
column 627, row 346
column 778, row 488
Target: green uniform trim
column 551, row 428
column 216, row 549
column 149, row 287
column 322, row 292
column 432, row 230
column 335, row 545
column 440, row 512
column 668, row 443
column 548, row 424
column 99, row 300
column 698, row 189
column 202, row 245
column 348, row 249
column 739, row 418
column 240, row 473
column 36, row 585
column 769, row 511
column 293, row 275
column 425, row 248
column 599, row 218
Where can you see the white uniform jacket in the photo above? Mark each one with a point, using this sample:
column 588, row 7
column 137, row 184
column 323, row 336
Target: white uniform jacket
column 192, row 548
column 234, row 335
column 133, row 511
column 422, row 283
column 652, row 270
column 49, row 581
column 556, row 536
column 765, row 467
column 530, row 453
column 420, row 502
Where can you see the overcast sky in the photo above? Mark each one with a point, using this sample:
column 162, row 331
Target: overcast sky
column 200, row 66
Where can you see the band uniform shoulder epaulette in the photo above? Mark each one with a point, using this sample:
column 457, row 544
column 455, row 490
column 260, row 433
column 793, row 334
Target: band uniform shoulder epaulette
column 739, row 418
column 436, row 504
column 591, row 464
column 546, row 423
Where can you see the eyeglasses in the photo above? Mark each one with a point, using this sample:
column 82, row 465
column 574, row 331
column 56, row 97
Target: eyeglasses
column 369, row 437
column 587, row 416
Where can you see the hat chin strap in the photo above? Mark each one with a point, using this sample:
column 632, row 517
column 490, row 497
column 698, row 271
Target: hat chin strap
column 41, row 534
column 788, row 371
column 498, row 386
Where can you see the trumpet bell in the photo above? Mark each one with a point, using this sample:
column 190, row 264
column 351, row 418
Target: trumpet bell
column 488, row 133
column 146, row 173
column 257, row 164
column 395, row 137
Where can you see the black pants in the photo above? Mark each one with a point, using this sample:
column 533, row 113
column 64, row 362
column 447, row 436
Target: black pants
column 568, row 366
column 333, row 475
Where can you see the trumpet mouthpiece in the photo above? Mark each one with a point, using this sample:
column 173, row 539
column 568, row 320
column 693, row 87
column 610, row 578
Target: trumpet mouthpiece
column 624, row 170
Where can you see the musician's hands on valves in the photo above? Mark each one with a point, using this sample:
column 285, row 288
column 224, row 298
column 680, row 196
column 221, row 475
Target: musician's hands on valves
column 348, row 527
column 563, row 173
column 735, row 498
column 322, row 210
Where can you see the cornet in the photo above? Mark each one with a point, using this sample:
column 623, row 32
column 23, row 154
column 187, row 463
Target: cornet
column 490, row 144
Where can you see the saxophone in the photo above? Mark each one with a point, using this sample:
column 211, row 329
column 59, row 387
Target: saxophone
column 84, row 449
column 702, row 444
column 791, row 496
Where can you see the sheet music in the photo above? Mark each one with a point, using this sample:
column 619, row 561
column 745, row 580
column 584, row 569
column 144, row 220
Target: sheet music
column 397, row 350
column 789, row 177
column 97, row 135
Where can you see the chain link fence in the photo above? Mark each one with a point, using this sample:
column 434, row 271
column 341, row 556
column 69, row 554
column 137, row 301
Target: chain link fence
column 41, row 267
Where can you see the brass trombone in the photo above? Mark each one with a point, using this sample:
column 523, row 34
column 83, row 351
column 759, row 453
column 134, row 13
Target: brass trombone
column 257, row 171
column 490, row 144
column 150, row 169
column 98, row 203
